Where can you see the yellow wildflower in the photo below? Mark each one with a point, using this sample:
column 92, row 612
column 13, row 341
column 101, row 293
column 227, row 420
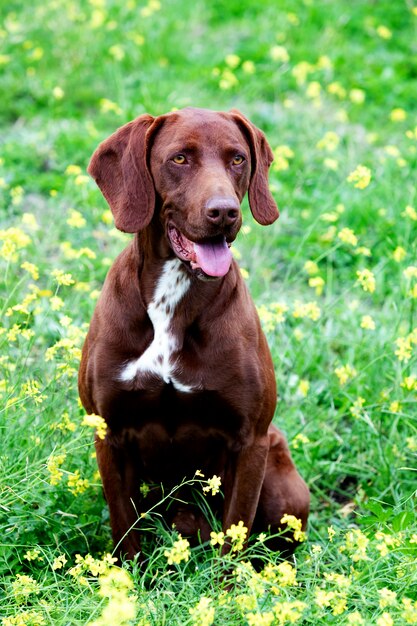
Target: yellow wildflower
column 76, row 220
column 409, row 613
column 294, row 524
column 360, row 177
column 386, row 597
column 399, row 254
column 279, row 54
column 33, row 555
column 367, row 322
column 24, row 586
column 232, row 60
column 180, row 551
column 355, row 619
column 228, row 80
column 301, row 71
column 410, row 383
column 410, row 272
column 384, row 32
column 356, row 544
column 24, row 617
column 286, row 574
column 336, row 89
column 237, row 533
column 97, row 422
column 53, row 466
column 308, row 309
column 116, row 586
column 311, row 267
column 299, row 439
column 331, row 533
column 398, row 115
column 213, row 485
column 345, row 373
column 62, row 278
column 202, row 613
column 404, row 348
column 303, row 388
column 395, row 407
column 56, row 303
column 31, row 268
column 357, row 96
column 278, row 309
column 107, row 106
column 385, row 620
column 329, row 142
column 356, row 408
column 366, row 279
column 317, row 283
column 289, row 612
column 117, row 52
column 217, row 538
column 331, row 164
column 73, row 170
column 348, row 236
column 410, row 212
column 58, row 93
column 260, row 619
column 76, row 484
column 59, row 562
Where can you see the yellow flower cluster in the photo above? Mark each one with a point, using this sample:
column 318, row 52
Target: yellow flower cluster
column 53, row 466
column 180, row 551
column 24, row 586
column 213, row 485
column 366, row 279
column 308, row 310
column 348, row 236
column 404, row 345
column 238, row 534
column 76, row 484
column 294, row 524
column 97, row 422
column 345, row 373
column 282, row 156
column 89, row 565
column 202, row 614
column 360, row 177
column 116, row 586
column 14, row 239
column 24, row 618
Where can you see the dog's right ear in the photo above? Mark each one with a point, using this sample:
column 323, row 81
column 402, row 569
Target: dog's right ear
column 119, row 167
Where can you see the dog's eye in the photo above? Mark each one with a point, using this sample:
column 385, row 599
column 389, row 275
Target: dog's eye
column 179, row 159
column 238, row 159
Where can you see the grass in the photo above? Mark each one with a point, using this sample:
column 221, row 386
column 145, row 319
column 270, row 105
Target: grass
column 345, row 352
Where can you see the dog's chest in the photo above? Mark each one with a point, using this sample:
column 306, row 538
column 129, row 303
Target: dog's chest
column 160, row 359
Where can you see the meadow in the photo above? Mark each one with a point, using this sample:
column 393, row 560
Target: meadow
column 333, row 84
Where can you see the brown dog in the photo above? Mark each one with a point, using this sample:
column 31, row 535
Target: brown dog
column 175, row 359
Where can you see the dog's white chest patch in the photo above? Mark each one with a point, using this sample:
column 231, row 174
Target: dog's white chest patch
column 157, row 359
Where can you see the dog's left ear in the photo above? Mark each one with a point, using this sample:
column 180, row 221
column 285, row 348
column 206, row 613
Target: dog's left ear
column 261, row 202
column 119, row 167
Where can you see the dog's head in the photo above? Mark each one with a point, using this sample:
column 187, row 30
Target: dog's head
column 190, row 169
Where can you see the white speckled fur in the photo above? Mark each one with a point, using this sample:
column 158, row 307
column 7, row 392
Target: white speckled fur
column 171, row 287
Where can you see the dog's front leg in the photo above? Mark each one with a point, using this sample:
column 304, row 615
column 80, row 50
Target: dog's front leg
column 121, row 488
column 244, row 479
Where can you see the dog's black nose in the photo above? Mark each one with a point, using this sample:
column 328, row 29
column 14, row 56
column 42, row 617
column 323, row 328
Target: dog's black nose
column 222, row 211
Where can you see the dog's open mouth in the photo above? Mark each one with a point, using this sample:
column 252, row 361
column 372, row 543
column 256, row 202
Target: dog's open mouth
column 212, row 256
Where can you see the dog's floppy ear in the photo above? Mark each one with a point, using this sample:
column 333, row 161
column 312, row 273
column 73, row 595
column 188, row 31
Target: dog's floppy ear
column 261, row 202
column 119, row 167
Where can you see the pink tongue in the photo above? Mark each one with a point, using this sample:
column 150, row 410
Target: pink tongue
column 214, row 258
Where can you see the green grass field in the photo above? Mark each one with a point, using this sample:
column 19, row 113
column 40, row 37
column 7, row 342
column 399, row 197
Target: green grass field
column 334, row 86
